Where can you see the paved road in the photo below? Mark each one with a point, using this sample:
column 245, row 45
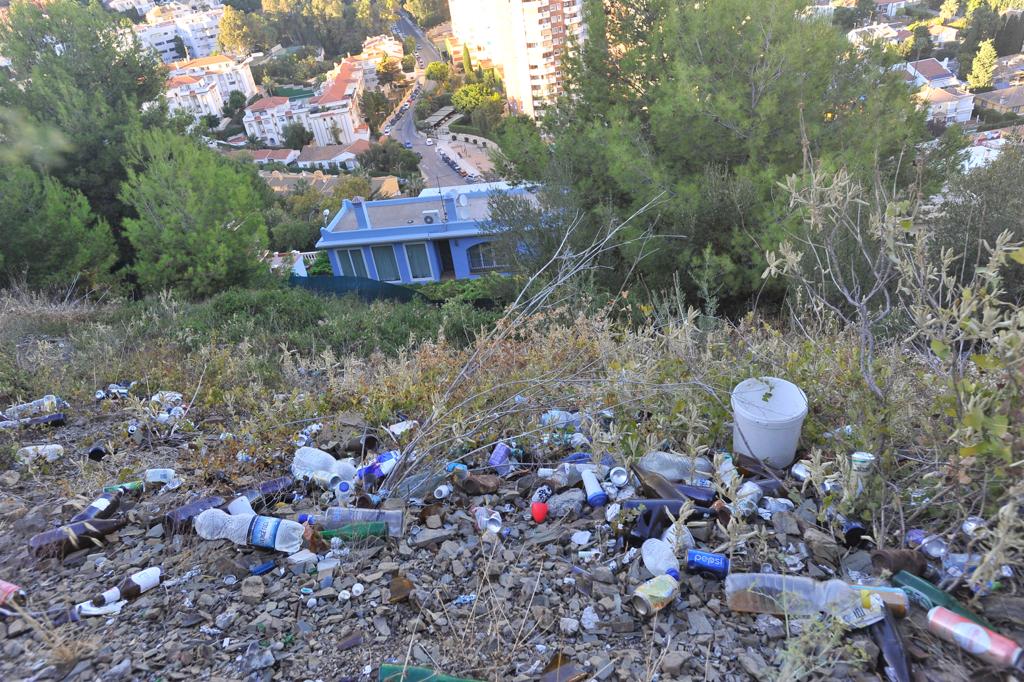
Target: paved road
column 435, row 171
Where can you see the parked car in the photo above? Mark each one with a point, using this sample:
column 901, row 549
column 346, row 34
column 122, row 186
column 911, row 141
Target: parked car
column 408, row 145
column 430, row 143
column 387, row 129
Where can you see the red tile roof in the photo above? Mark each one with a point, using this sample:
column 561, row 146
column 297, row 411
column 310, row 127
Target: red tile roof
column 358, row 147
column 336, row 91
column 267, row 103
column 271, row 154
column 931, row 69
column 178, row 81
column 202, row 62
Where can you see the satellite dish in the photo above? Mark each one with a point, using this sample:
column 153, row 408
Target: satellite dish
column 463, row 201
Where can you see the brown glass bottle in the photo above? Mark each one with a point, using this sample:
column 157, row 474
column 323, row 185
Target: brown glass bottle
column 178, row 519
column 60, row 542
column 103, row 507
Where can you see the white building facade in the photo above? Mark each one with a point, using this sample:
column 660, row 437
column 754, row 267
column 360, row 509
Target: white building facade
column 198, row 96
column 266, row 119
column 197, row 30
column 526, row 39
column 225, row 72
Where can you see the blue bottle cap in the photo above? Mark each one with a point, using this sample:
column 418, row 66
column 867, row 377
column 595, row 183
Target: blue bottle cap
column 673, row 573
column 303, row 518
column 598, row 499
column 345, row 487
column 263, row 568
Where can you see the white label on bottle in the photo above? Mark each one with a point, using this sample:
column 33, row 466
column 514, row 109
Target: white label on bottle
column 112, row 595
column 147, row 579
column 264, row 531
column 100, row 504
column 972, row 638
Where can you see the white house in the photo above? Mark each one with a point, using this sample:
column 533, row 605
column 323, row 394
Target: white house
column 886, row 34
column 266, row 119
column 333, row 156
column 946, row 105
column 140, row 6
column 197, row 31
column 942, row 35
column 334, row 116
column 933, row 73
column 198, row 96
column 224, row 71
column 891, row 8
column 377, row 48
column 265, row 156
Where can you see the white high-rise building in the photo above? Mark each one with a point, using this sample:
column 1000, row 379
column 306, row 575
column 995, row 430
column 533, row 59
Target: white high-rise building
column 197, row 30
column 526, row 39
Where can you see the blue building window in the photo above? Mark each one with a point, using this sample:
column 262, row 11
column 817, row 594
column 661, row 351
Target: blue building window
column 352, row 264
column 419, row 261
column 483, row 257
column 387, row 266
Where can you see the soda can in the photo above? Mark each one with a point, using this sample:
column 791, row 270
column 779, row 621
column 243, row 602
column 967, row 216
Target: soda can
column 972, row 524
column 654, row 595
column 618, row 476
column 707, row 563
column 499, row 459
column 862, row 462
column 800, row 471
column 9, row 592
column 975, row 639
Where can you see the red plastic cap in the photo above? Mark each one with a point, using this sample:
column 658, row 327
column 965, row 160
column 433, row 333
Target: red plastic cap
column 539, row 510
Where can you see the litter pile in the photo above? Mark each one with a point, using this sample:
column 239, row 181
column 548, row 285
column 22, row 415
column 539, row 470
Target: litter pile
column 537, row 557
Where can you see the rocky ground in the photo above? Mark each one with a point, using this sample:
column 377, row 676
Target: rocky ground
column 523, row 605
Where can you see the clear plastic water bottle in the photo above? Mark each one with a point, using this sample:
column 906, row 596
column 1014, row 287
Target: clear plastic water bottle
column 679, row 537
column 560, row 419
column 257, row 531
column 787, row 594
column 314, row 459
column 659, row 558
column 28, row 454
column 675, row 466
column 48, row 404
column 241, row 506
column 336, row 517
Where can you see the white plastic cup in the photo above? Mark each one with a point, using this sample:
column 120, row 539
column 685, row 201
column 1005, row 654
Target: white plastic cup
column 768, row 415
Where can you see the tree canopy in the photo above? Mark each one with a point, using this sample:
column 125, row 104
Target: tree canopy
column 698, row 132
column 983, row 68
column 469, row 97
column 199, row 225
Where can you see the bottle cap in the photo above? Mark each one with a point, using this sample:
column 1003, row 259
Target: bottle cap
column 598, row 499
column 672, row 573
column 539, row 511
column 306, row 518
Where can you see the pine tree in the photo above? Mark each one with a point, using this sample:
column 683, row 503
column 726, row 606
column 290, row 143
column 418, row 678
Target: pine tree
column 983, row 68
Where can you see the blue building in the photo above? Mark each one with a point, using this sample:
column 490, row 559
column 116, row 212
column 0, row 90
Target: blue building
column 437, row 235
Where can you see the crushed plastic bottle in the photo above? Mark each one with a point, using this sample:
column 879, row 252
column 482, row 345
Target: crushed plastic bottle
column 48, row 404
column 312, row 459
column 659, row 558
column 258, row 531
column 786, row 594
column 676, row 467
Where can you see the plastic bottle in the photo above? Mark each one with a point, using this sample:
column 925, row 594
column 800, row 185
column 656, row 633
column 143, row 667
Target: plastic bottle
column 129, row 588
column 675, row 466
column 48, row 404
column 787, row 594
column 978, row 640
column 596, row 497
column 79, row 535
column 336, row 517
column 178, row 519
column 560, row 419
column 51, row 453
column 257, row 531
column 678, row 537
column 102, row 507
column 240, row 506
column 134, row 487
column 313, row 459
column 747, row 498
column 487, row 519
column 660, row 558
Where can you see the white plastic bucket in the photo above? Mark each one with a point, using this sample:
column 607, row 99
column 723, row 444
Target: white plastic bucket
column 768, row 414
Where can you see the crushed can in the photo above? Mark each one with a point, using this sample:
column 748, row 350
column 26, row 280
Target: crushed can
column 11, row 594
column 655, row 594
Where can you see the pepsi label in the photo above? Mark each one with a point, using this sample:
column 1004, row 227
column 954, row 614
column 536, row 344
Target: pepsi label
column 707, row 562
